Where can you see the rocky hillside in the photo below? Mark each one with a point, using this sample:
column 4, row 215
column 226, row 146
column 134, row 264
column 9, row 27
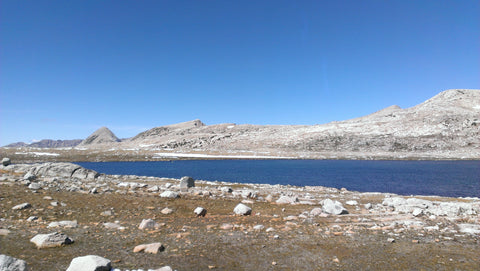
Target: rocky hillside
column 100, row 137
column 47, row 143
column 445, row 126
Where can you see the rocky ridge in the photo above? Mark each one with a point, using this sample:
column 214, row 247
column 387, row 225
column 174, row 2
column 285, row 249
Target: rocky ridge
column 289, row 222
column 445, row 126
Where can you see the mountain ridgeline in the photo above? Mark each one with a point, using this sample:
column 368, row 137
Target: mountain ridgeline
column 446, row 126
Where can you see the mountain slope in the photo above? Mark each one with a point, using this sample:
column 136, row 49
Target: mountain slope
column 101, row 136
column 448, row 122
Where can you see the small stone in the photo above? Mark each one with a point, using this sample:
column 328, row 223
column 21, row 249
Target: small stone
column 390, row 240
column 90, row 263
column 32, row 218
column 351, row 202
column 64, row 223
column 22, row 206
column 165, row 268
column 106, row 213
column 148, row 224
column 242, row 209
column 169, row 194
column 54, row 203
column 153, row 248
column 6, row 161
column 51, row 240
column 4, row 232
column 114, row 226
column 187, row 182
column 8, row 263
column 154, row 188
column 166, row 211
column 287, row 200
column 34, row 186
column 226, row 226
column 29, row 176
column 226, row 189
column 417, row 212
column 368, row 206
column 200, row 211
column 258, row 227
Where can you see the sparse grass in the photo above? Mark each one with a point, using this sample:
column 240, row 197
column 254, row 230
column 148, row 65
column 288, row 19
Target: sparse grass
column 196, row 243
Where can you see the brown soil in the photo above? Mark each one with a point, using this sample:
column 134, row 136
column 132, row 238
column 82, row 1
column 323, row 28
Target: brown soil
column 199, row 243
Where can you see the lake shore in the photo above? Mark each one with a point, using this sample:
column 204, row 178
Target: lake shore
column 289, row 228
column 38, row 155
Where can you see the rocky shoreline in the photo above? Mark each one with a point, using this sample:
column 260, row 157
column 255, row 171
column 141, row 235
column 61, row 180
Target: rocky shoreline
column 130, row 222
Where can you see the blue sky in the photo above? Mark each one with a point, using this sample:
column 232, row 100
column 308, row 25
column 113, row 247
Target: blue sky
column 70, row 67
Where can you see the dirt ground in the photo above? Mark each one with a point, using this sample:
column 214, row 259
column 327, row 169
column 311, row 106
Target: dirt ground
column 201, row 243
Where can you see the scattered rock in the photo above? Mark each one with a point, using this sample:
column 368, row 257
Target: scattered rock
column 169, row 194
column 200, row 211
column 333, row 207
column 154, row 188
column 90, row 263
column 287, row 200
column 165, row 268
column 390, row 240
column 258, row 227
column 64, row 223
column 152, row 248
column 6, row 161
column 242, row 209
column 316, row 211
column 187, row 182
column 32, row 218
column 115, row 226
column 29, row 176
column 8, row 263
column 368, row 206
column 351, row 203
column 469, row 228
column 22, row 206
column 51, row 240
column 148, row 224
column 166, row 211
column 35, row 186
column 417, row 212
column 226, row 189
column 226, row 226
column 4, row 232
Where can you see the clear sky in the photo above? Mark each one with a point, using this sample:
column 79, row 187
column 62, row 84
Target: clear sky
column 70, row 67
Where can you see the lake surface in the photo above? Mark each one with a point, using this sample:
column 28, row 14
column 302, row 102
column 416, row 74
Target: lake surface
column 442, row 178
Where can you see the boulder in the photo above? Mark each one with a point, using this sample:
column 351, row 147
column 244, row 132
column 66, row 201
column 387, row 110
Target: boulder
column 242, row 209
column 152, row 248
column 200, row 211
column 187, row 182
column 8, row 263
column 169, row 194
column 333, row 207
column 51, row 240
column 90, row 263
column 6, row 161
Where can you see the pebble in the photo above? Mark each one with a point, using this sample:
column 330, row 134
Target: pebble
column 200, row 211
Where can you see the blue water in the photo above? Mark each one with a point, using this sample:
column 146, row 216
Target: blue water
column 442, row 178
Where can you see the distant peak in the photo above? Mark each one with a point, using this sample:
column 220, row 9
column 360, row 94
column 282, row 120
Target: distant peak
column 101, row 135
